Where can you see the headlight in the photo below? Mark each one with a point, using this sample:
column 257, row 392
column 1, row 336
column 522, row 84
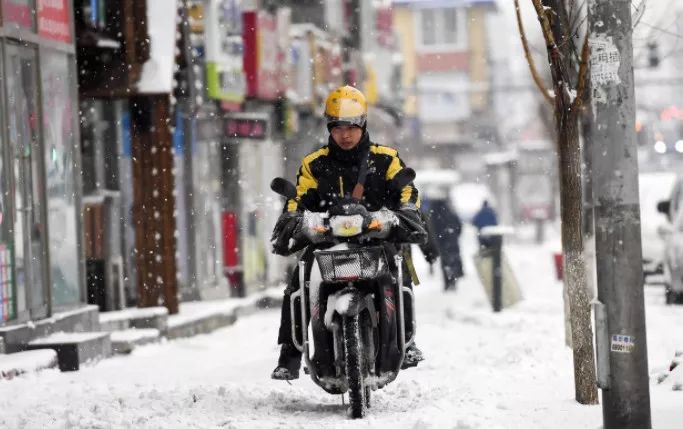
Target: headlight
column 346, row 226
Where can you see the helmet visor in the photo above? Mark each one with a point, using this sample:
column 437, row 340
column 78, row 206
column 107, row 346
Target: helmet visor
column 333, row 121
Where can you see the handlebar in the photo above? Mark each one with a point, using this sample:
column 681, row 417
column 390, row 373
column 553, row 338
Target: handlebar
column 326, row 228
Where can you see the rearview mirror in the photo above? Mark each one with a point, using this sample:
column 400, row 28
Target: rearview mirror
column 664, row 207
column 283, row 187
column 404, row 177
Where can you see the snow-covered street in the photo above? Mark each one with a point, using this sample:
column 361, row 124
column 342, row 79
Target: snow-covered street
column 483, row 370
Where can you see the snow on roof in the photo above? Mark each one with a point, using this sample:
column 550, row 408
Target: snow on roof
column 157, row 72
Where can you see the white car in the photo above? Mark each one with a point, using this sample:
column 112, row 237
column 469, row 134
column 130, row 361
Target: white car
column 672, row 234
column 653, row 187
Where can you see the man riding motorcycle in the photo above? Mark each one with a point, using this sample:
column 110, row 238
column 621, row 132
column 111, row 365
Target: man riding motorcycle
column 350, row 165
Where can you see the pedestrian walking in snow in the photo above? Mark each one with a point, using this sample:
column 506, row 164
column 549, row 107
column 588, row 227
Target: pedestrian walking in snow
column 445, row 229
column 486, row 216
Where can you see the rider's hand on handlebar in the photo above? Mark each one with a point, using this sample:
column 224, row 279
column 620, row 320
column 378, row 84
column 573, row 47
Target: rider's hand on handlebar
column 286, row 227
column 412, row 228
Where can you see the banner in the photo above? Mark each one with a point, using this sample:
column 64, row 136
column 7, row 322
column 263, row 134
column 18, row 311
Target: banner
column 18, row 12
column 53, row 20
column 224, row 51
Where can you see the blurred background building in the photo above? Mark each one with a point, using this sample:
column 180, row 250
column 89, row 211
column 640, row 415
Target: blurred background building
column 447, row 78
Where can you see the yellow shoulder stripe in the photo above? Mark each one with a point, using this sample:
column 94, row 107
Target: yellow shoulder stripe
column 323, row 151
column 383, row 150
column 305, row 180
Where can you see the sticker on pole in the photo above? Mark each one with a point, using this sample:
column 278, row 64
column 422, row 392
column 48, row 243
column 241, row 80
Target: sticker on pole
column 622, row 343
column 605, row 60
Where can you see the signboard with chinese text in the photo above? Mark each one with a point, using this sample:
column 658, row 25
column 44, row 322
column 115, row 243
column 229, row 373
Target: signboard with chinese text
column 224, row 50
column 260, row 54
column 18, row 12
column 246, row 126
column 54, row 21
column 284, row 62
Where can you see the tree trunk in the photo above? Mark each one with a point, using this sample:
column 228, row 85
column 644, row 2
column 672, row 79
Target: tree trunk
column 572, row 248
column 554, row 22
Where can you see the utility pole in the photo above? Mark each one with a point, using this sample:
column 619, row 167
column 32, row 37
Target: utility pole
column 620, row 312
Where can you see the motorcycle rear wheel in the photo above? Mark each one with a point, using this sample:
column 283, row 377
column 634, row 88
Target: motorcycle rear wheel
column 353, row 351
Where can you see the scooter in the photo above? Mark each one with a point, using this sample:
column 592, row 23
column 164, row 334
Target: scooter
column 354, row 298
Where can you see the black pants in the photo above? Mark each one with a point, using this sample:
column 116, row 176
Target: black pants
column 285, row 332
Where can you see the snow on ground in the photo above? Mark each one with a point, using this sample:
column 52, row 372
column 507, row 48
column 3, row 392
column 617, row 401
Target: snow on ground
column 483, row 370
column 27, row 361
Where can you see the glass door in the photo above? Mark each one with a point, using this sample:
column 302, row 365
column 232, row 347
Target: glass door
column 7, row 294
column 23, row 125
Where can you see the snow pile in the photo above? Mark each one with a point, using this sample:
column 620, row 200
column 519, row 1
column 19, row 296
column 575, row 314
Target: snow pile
column 197, row 310
column 15, row 364
column 133, row 313
column 134, row 335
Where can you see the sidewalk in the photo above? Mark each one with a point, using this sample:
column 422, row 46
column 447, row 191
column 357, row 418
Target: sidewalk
column 201, row 317
column 134, row 327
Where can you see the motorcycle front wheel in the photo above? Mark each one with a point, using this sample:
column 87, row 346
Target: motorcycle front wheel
column 353, row 353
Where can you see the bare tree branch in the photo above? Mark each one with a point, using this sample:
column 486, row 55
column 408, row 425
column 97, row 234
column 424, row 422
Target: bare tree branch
column 529, row 58
column 545, row 24
column 639, row 12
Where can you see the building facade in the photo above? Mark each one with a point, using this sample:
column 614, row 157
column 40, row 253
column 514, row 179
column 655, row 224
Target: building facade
column 41, row 270
column 447, row 76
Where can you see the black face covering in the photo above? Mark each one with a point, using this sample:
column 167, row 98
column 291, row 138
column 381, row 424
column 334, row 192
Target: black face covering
column 351, row 156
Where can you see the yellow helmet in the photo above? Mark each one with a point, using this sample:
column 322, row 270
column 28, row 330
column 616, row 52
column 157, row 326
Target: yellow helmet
column 346, row 106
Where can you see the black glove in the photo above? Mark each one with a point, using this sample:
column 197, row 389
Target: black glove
column 430, row 248
column 430, row 252
column 286, row 227
column 411, row 227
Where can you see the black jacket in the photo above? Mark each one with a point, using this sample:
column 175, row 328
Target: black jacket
column 330, row 173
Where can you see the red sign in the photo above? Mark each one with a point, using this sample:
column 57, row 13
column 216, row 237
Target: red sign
column 53, row 20
column 260, row 54
column 246, row 128
column 18, row 12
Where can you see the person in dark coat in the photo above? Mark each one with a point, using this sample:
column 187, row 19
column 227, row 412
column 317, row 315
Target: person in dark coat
column 446, row 227
column 486, row 216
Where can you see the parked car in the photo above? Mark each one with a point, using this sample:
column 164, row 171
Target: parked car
column 672, row 234
column 653, row 187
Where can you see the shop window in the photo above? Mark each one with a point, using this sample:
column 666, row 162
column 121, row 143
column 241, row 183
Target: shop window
column 23, row 125
column 7, row 295
column 58, row 81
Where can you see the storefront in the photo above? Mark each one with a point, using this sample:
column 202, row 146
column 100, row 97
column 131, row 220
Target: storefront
column 40, row 235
